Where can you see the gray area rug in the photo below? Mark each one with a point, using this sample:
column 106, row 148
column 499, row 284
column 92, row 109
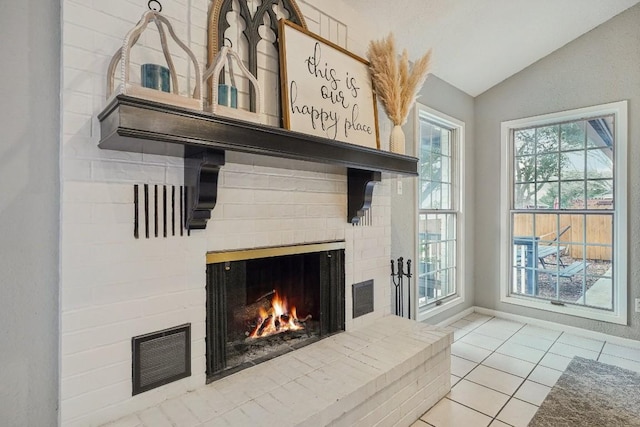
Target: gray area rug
column 591, row 393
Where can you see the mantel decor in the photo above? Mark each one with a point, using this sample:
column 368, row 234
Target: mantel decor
column 396, row 86
column 255, row 20
column 326, row 90
column 223, row 59
column 143, row 126
column 122, row 57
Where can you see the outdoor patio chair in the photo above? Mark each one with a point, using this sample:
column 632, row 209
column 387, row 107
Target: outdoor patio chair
column 545, row 250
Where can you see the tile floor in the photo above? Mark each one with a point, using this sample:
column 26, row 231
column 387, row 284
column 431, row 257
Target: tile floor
column 501, row 371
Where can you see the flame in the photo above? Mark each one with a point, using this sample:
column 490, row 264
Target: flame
column 277, row 319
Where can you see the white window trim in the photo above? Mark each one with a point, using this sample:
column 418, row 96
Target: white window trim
column 620, row 287
column 459, row 190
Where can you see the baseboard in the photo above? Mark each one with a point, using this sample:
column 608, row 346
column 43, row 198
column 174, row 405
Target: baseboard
column 586, row 333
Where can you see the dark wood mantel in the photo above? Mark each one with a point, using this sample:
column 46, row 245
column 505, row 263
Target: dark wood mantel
column 142, row 126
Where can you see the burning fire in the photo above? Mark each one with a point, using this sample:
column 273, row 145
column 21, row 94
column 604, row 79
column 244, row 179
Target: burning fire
column 278, row 318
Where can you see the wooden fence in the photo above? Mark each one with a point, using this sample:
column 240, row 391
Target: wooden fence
column 599, row 231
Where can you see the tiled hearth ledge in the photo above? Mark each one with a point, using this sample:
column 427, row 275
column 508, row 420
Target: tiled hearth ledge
column 385, row 374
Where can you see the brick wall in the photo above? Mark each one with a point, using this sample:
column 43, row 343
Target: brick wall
column 114, row 286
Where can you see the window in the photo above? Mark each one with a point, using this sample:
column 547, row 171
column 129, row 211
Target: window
column 565, row 212
column 440, row 138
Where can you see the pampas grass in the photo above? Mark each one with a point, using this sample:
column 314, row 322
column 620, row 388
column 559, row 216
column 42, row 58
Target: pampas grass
column 395, row 84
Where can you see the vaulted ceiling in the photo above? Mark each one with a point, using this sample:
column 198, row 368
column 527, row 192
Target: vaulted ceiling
column 479, row 43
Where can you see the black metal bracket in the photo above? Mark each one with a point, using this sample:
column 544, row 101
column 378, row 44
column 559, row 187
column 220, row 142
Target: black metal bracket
column 360, row 185
column 201, row 170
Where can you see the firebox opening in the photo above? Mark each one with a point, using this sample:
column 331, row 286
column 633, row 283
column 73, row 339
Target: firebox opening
column 260, row 308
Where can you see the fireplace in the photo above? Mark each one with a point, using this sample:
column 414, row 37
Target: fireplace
column 262, row 303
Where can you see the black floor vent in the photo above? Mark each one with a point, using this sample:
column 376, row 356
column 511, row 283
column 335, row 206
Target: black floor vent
column 161, row 357
column 362, row 298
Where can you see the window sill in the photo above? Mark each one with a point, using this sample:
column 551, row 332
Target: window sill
column 619, row 318
column 434, row 310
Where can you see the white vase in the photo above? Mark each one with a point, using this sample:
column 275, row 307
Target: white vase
column 396, row 141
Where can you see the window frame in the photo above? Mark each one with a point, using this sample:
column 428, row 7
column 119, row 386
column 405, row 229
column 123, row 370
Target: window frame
column 457, row 198
column 619, row 315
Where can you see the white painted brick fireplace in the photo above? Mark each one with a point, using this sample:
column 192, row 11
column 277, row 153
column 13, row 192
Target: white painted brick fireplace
column 113, row 286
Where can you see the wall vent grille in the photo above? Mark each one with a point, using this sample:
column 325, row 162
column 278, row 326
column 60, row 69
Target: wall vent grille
column 161, row 357
column 362, row 298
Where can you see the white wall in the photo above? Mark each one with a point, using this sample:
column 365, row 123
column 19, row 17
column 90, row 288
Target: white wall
column 599, row 67
column 29, row 212
column 115, row 287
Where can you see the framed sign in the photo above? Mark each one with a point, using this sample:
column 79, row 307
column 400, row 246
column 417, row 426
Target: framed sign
column 326, row 90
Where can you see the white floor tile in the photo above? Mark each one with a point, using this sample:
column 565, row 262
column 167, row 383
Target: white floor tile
column 555, row 361
column 623, row 352
column 475, row 322
column 460, row 333
column 469, row 352
column 447, row 413
column 545, row 376
column 494, row 331
column 454, row 380
column 517, row 413
column 130, row 421
column 478, row 317
column 482, row 341
column 531, row 341
column 463, row 324
column 494, row 379
column 505, row 324
column 571, row 351
column 498, row 423
column 577, row 341
column 521, row 352
column 420, row 423
column 533, row 393
column 509, row 364
column 460, row 366
column 536, row 331
column 619, row 361
column 154, row 417
column 478, row 397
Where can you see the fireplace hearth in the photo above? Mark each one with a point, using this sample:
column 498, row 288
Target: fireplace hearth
column 262, row 303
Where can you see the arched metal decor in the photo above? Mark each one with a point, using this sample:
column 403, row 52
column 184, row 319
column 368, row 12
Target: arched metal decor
column 218, row 24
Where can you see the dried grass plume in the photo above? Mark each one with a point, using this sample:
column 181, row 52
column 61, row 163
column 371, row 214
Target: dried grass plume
column 395, row 84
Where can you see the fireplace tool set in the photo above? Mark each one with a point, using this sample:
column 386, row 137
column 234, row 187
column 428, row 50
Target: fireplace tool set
column 398, row 281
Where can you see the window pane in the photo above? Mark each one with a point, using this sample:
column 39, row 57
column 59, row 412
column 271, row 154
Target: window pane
column 572, row 195
column 547, row 195
column 525, row 141
column 600, row 132
column 445, row 202
column 572, row 136
column 524, row 196
column 437, row 256
column 446, row 170
column 435, row 168
column 523, row 225
column 600, row 194
column 547, row 167
column 525, row 169
column 572, row 166
column 547, row 139
column 600, row 163
column 445, row 146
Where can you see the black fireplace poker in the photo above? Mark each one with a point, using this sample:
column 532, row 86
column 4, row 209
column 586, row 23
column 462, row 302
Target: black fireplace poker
column 398, row 279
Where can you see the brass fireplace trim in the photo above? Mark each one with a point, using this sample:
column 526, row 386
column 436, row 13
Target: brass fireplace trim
column 244, row 254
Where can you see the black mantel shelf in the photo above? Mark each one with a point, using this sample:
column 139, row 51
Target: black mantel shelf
column 142, row 126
